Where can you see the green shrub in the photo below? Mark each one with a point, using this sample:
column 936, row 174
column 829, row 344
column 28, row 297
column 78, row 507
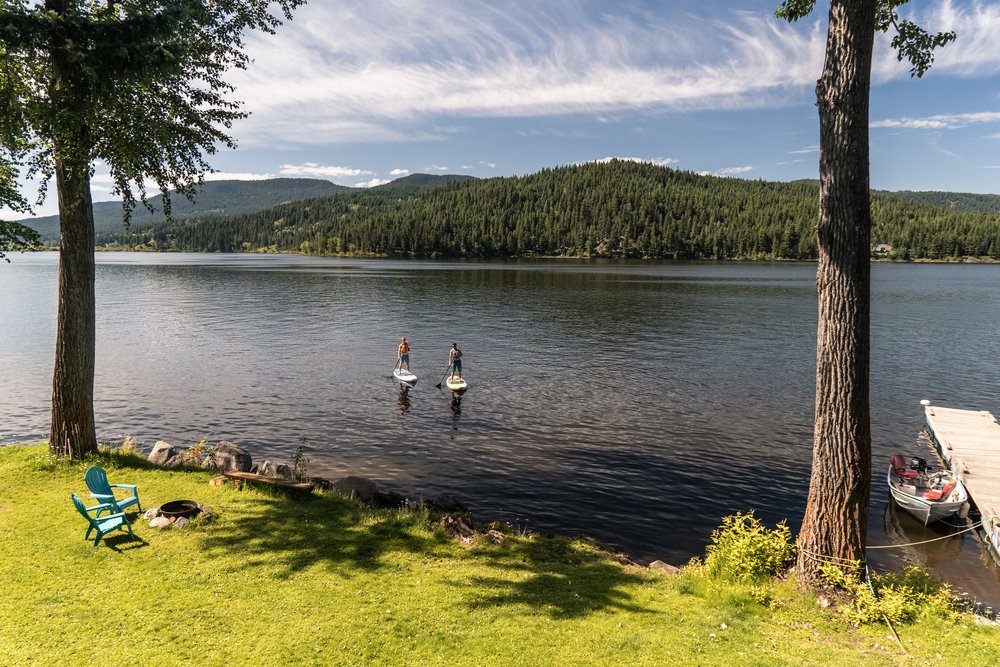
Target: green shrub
column 300, row 462
column 196, row 452
column 901, row 596
column 744, row 549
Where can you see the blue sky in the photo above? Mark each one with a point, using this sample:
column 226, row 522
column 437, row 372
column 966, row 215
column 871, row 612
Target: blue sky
column 361, row 92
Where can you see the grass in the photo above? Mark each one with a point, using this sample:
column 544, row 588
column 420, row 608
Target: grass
column 326, row 581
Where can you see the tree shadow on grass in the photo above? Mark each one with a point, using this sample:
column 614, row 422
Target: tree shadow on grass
column 553, row 576
column 288, row 535
column 557, row 576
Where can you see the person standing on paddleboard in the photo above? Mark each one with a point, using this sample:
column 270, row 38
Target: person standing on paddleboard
column 455, row 361
column 403, row 355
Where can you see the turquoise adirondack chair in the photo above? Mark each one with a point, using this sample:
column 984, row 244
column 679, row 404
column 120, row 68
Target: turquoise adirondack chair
column 100, row 489
column 103, row 525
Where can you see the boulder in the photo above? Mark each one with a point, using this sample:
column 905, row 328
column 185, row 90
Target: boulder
column 389, row 499
column 181, row 522
column 357, row 487
column 130, row 444
column 162, row 453
column 664, row 567
column 228, row 457
column 272, row 469
column 159, row 522
column 321, row 483
column 448, row 503
column 178, row 459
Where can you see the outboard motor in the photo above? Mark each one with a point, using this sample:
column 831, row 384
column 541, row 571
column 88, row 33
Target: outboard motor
column 918, row 464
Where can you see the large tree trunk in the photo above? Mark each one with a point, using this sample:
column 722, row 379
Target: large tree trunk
column 836, row 520
column 72, row 429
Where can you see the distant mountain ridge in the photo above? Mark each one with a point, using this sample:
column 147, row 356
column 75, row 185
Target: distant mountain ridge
column 230, row 198
column 215, row 198
column 616, row 209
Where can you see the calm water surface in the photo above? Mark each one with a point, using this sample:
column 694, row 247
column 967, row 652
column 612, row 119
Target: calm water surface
column 634, row 402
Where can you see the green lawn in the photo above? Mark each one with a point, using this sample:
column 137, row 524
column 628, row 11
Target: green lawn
column 325, row 581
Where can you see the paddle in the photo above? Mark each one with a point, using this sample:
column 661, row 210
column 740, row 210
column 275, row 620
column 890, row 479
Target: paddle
column 438, row 385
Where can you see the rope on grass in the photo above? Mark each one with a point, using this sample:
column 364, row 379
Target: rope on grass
column 868, row 578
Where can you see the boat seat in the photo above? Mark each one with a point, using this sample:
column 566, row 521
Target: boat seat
column 940, row 494
column 899, row 467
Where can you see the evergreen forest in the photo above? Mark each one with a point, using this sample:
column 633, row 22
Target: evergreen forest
column 613, row 209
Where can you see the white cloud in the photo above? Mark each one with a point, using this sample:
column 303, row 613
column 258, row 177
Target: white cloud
column 658, row 161
column 488, row 165
column 388, row 69
column 995, row 135
column 372, row 183
column 314, row 169
column 803, row 151
column 940, row 121
column 403, row 70
column 399, row 172
column 436, row 167
column 374, row 78
column 788, row 162
column 733, row 171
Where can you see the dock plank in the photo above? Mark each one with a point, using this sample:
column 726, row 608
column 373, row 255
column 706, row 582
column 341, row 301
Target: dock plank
column 969, row 441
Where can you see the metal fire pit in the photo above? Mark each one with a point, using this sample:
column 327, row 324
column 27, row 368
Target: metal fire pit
column 178, row 508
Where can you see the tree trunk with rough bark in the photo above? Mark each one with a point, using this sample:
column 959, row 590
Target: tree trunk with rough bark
column 72, row 431
column 834, row 528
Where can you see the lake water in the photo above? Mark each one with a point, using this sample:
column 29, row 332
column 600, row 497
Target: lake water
column 636, row 402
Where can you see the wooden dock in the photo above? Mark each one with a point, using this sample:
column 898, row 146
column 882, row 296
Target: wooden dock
column 969, row 443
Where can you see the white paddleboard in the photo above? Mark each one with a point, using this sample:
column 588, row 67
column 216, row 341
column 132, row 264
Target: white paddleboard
column 405, row 376
column 456, row 384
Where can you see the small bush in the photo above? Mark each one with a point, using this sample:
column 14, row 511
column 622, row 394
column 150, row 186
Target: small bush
column 197, row 452
column 300, row 463
column 744, row 549
column 901, row 596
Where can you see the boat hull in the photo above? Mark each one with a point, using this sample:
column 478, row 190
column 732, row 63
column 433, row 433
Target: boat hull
column 926, row 511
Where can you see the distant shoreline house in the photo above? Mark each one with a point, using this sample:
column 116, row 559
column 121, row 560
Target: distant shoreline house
column 882, row 249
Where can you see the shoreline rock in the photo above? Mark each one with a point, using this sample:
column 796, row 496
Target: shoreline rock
column 456, row 518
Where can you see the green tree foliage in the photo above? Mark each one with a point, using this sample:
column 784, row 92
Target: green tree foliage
column 617, row 209
column 137, row 84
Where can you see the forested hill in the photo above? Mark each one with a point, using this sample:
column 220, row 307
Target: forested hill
column 956, row 201
column 616, row 209
column 213, row 198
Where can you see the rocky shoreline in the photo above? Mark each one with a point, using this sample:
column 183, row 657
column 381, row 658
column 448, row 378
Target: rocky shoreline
column 453, row 516
column 227, row 456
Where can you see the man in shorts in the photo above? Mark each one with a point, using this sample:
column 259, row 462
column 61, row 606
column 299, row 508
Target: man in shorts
column 455, row 361
column 403, row 355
